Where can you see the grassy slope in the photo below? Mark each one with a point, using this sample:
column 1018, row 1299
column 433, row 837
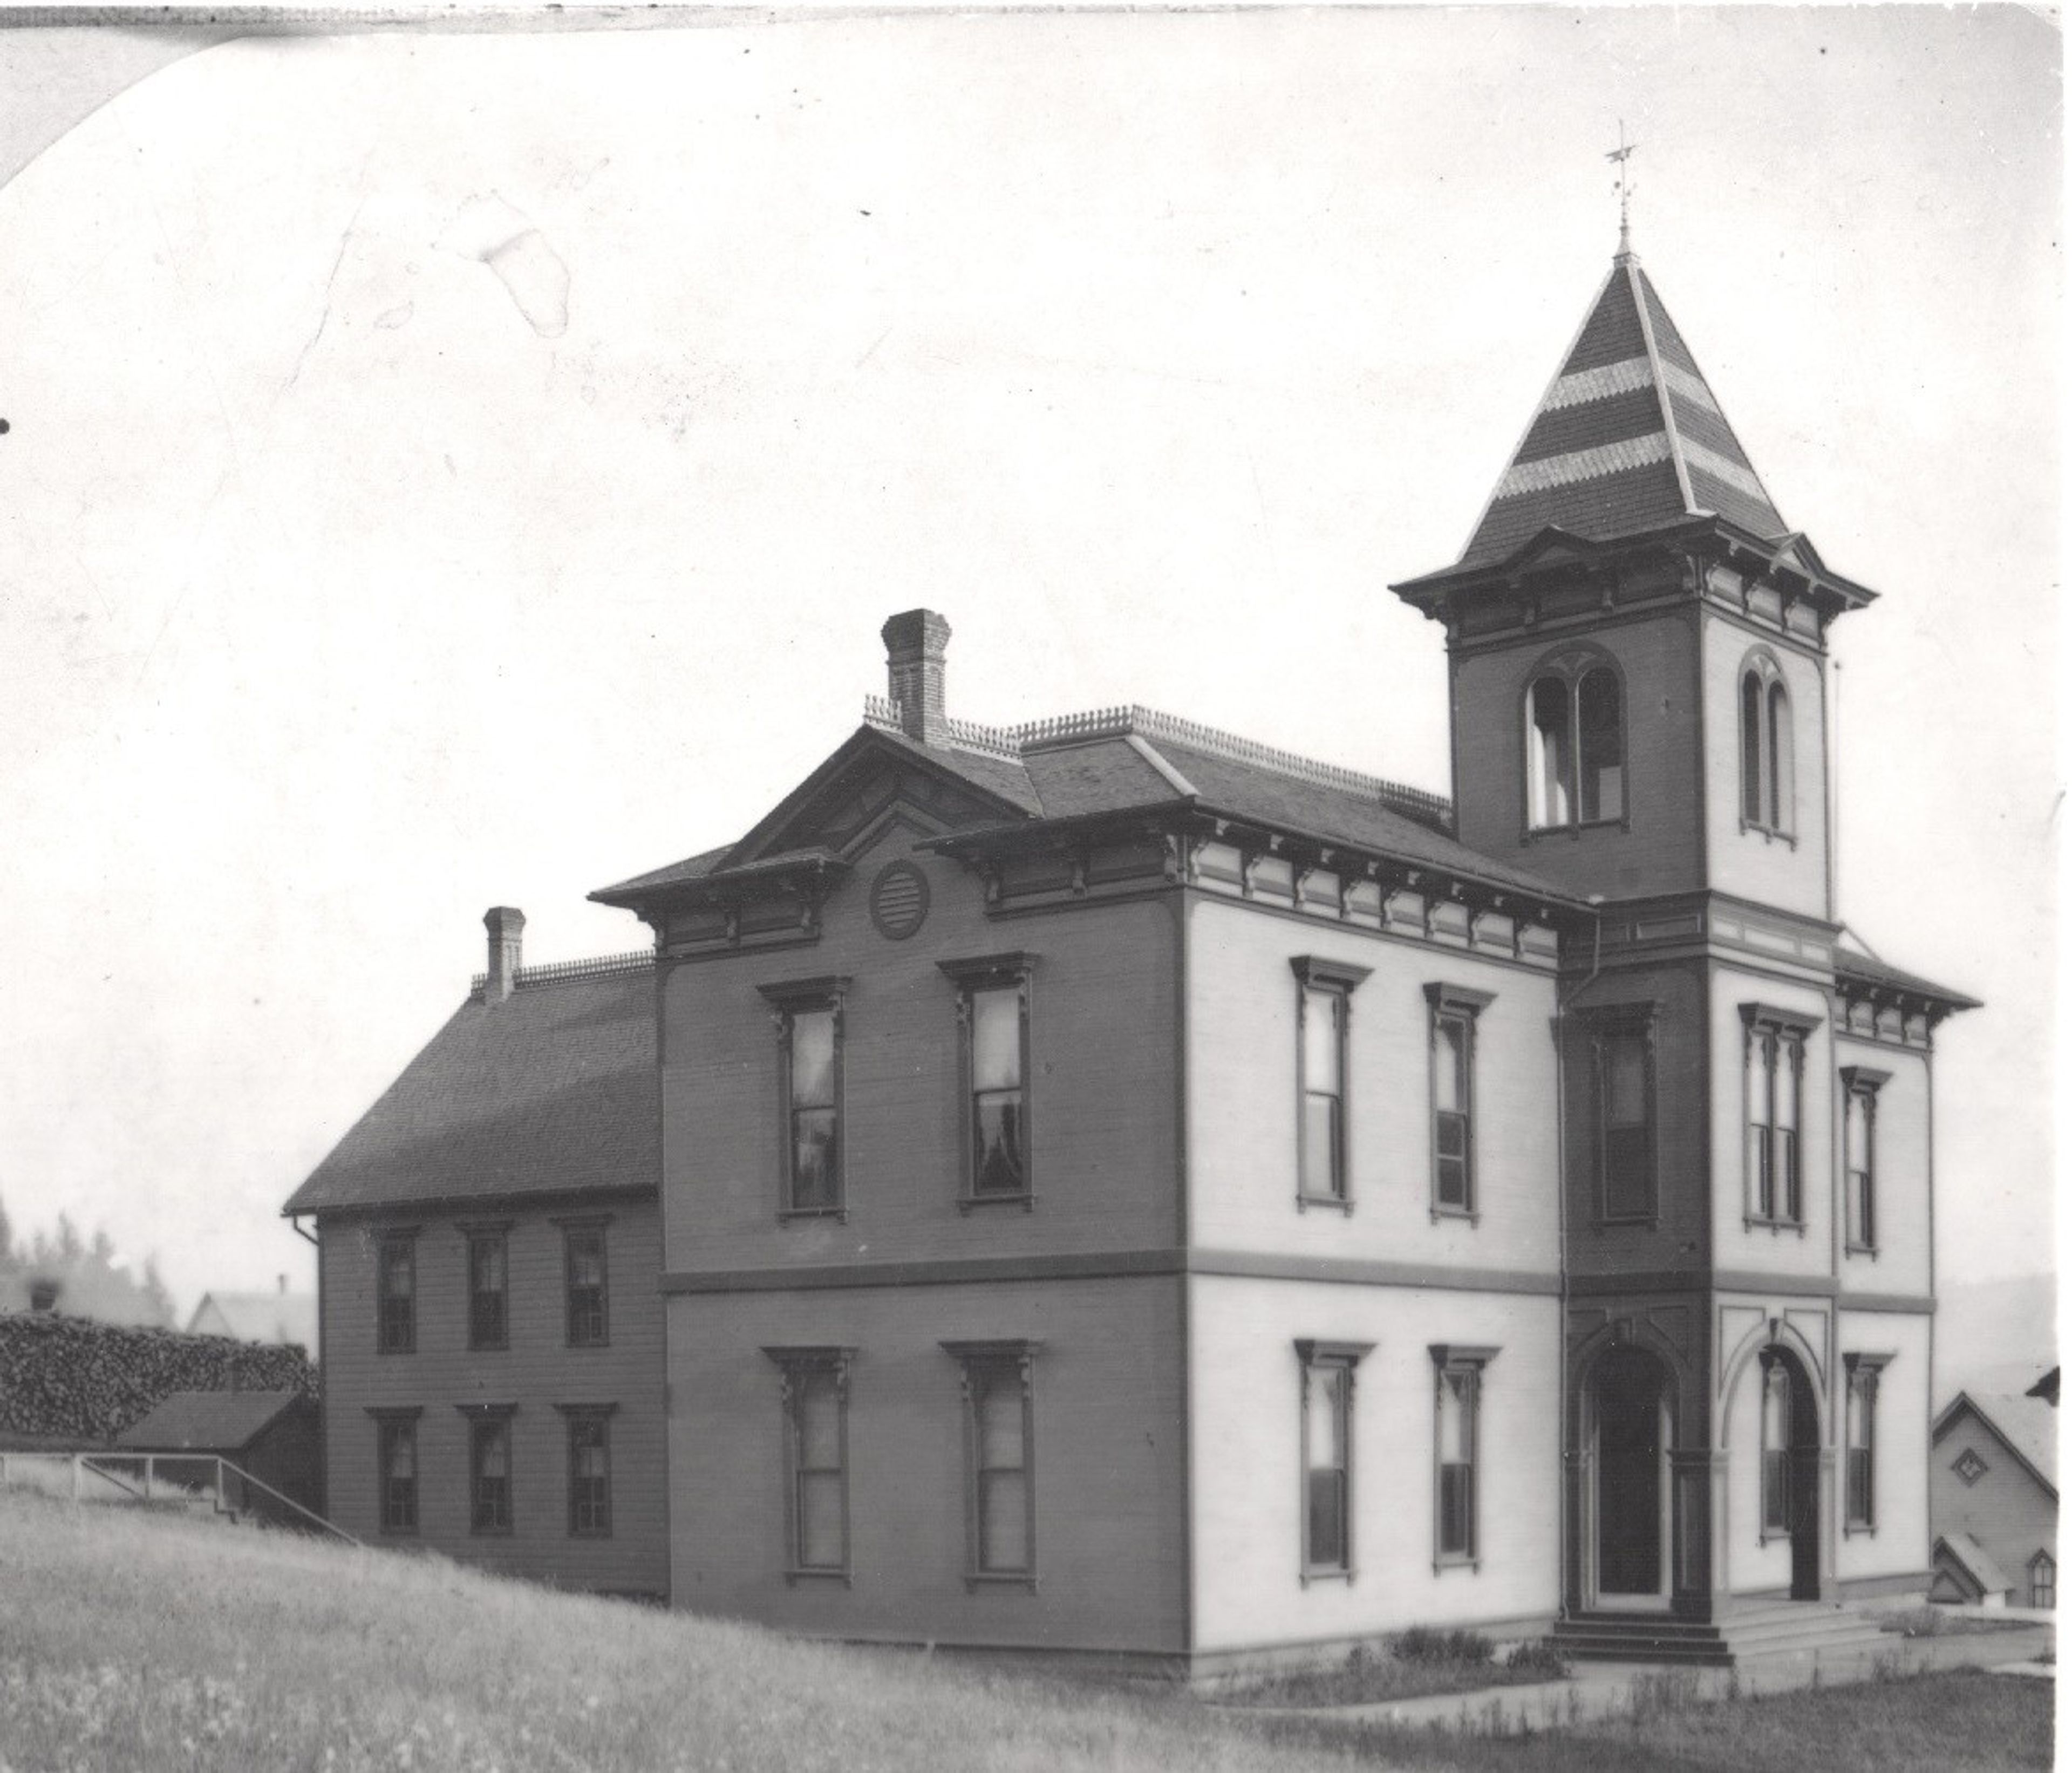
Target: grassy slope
column 132, row 1641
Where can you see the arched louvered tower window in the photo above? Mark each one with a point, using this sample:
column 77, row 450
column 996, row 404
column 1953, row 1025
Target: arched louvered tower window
column 1575, row 743
column 1766, row 764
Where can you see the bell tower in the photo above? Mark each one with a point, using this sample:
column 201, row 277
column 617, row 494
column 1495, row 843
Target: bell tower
column 1637, row 640
column 1636, row 649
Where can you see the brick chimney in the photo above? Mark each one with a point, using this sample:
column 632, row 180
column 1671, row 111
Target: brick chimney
column 505, row 924
column 914, row 643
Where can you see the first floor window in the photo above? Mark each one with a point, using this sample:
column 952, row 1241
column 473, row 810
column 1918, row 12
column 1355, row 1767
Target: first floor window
column 488, row 1272
column 489, row 1472
column 1777, row 1516
column 815, row 1390
column 1861, row 1431
column 395, row 1459
column 1000, row 1426
column 1454, row 1009
column 396, row 1293
column 1323, row 1014
column 1458, row 1375
column 582, row 1256
column 589, row 1474
column 1326, row 1374
column 2043, row 1580
column 1860, row 1098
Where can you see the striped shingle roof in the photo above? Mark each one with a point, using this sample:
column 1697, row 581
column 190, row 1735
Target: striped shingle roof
column 1628, row 436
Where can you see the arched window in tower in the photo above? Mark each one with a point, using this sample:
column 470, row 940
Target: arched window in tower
column 1768, row 800
column 1575, row 743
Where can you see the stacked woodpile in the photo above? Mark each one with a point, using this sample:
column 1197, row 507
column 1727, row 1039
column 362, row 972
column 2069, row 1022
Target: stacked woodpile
column 71, row 1379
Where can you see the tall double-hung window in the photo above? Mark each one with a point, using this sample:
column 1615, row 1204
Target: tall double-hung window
column 396, row 1292
column 1778, row 1501
column 1000, row 1460
column 1454, row 1010
column 1768, row 792
column 1774, row 1050
column 488, row 1467
column 815, row 1391
column 1575, row 744
column 488, row 1285
column 994, row 1069
column 808, row 1014
column 1323, row 1040
column 1457, row 1456
column 1326, row 1373
column 1860, row 1099
column 1622, row 1053
column 1860, row 1430
column 395, row 1467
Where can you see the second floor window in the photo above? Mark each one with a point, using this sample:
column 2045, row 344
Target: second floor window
column 1625, row 1052
column 1454, row 1010
column 1859, row 1097
column 488, row 1289
column 808, row 1014
column 395, row 1294
column 1323, row 1014
column 993, row 1020
column 489, row 1472
column 582, row 1257
column 1774, row 1050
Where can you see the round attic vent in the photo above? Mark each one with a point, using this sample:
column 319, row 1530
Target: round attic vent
column 898, row 900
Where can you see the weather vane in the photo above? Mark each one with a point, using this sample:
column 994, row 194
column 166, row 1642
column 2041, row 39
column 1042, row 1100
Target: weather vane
column 1619, row 156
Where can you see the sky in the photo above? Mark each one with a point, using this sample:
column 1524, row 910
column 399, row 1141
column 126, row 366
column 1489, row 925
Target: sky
column 449, row 471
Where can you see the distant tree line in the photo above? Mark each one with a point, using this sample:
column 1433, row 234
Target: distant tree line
column 79, row 1276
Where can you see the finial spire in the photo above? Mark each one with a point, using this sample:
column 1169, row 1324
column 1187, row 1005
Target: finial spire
column 1619, row 156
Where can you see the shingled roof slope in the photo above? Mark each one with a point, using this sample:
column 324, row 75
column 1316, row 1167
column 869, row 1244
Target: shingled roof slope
column 1628, row 436
column 207, row 1422
column 551, row 1092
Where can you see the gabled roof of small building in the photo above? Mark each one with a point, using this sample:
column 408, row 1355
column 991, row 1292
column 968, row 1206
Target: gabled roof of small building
column 1628, row 437
column 1975, row 1561
column 1121, row 761
column 209, row 1421
column 262, row 1317
column 551, row 1092
column 2026, row 1426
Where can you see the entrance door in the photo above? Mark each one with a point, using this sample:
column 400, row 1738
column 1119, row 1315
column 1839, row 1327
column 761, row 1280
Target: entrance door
column 1632, row 1494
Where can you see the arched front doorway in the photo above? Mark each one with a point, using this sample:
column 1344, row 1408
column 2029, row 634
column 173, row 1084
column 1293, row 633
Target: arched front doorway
column 1789, row 1500
column 1631, row 1429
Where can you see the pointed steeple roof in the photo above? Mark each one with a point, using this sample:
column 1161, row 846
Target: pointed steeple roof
column 1628, row 436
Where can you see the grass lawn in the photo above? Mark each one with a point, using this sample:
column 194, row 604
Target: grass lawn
column 132, row 1641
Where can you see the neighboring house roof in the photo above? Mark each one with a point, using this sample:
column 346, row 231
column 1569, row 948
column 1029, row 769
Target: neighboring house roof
column 287, row 1318
column 1863, row 969
column 1120, row 761
column 2026, row 1426
column 2045, row 1388
column 1629, row 436
column 207, row 1421
column 1975, row 1561
column 551, row 1092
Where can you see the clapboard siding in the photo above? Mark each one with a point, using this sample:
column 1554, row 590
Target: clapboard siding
column 1103, row 1088
column 536, row 1371
column 1108, row 1463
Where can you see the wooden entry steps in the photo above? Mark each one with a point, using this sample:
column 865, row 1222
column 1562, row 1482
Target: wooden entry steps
column 1746, row 1634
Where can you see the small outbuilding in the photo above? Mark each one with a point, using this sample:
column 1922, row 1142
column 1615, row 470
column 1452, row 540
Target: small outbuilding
column 268, row 1436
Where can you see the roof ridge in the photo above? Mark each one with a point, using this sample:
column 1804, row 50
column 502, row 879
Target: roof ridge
column 560, row 972
column 1635, row 277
